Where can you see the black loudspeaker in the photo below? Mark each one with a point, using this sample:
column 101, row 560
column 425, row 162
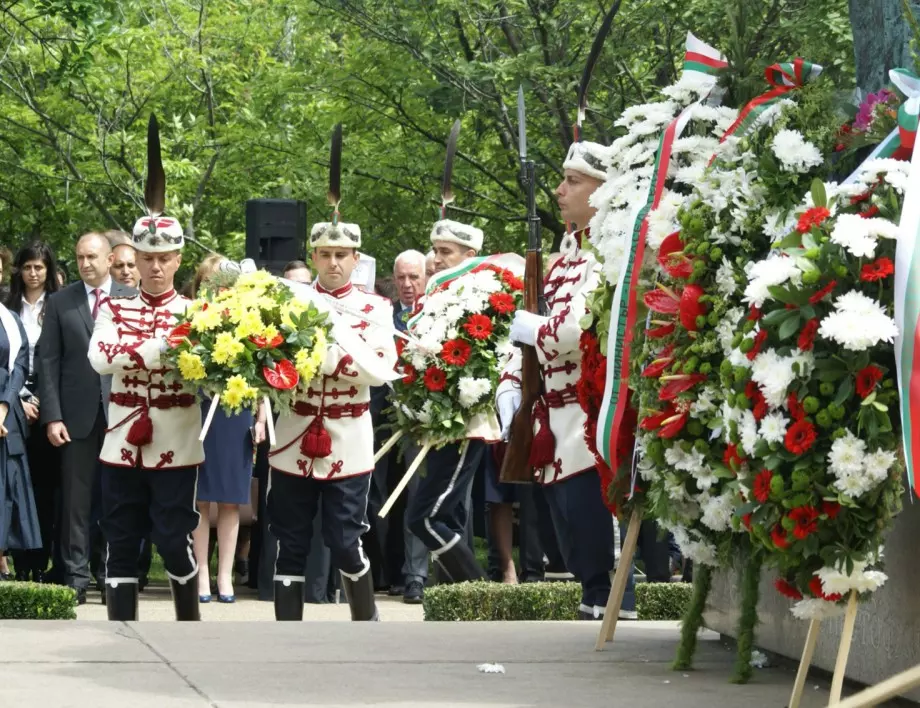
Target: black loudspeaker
column 276, row 232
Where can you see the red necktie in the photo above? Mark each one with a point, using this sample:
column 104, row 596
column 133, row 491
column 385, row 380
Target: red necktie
column 98, row 293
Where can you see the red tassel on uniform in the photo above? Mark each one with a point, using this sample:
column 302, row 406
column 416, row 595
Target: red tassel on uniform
column 316, row 442
column 543, row 448
column 141, row 431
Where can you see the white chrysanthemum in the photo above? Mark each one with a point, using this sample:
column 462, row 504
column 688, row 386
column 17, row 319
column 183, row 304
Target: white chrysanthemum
column 748, row 432
column 794, row 152
column 472, row 390
column 894, row 172
column 717, row 512
column 662, row 222
column 424, row 415
column 860, row 236
column 773, row 427
column 847, row 456
column 859, row 322
column 815, row 609
column 776, row 269
column 854, row 485
column 725, row 278
column 834, row 581
column 695, row 549
column 773, row 374
column 878, row 463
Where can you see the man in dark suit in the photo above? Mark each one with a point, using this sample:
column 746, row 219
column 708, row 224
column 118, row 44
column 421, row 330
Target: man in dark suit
column 75, row 398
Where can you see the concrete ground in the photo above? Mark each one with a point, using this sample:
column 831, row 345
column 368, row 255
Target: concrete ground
column 396, row 664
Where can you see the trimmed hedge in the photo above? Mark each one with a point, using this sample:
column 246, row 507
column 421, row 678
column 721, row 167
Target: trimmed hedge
column 35, row 601
column 496, row 602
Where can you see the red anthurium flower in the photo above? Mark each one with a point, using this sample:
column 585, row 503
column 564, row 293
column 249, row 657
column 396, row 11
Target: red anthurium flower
column 282, row 377
column 455, row 352
column 502, row 303
column 663, row 301
column 677, row 384
column 830, row 508
column 806, row 340
column 654, row 421
column 795, row 408
column 435, row 379
column 672, row 258
column 806, row 521
column 263, row 343
column 661, row 362
column 800, row 436
column 787, row 589
column 822, row 293
column 877, row 270
column 690, row 307
column 478, row 326
column 778, row 536
column 659, row 332
column 762, row 486
column 673, row 425
column 867, row 379
column 180, row 333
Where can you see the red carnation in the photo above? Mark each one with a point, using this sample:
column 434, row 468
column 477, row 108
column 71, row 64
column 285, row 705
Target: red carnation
column 806, row 521
column 870, row 212
column 787, row 589
column 816, row 587
column 755, row 314
column 759, row 340
column 512, row 281
column 800, row 437
column 731, row 458
column 795, row 408
column 435, row 379
column 409, row 374
column 867, row 379
column 762, row 486
column 877, row 270
column 807, row 335
column 455, row 352
column 822, row 293
column 813, row 217
column 778, row 536
column 502, row 303
column 830, row 508
column 478, row 326
column 746, row 520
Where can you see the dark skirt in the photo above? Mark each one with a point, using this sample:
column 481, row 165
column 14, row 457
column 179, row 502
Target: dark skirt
column 225, row 475
column 19, row 528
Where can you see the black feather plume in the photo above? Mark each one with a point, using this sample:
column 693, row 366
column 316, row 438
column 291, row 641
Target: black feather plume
column 334, row 195
column 593, row 56
column 155, row 188
column 447, row 190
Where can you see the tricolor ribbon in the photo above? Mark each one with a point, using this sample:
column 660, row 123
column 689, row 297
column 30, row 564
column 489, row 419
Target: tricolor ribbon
column 902, row 145
column 907, row 278
column 700, row 58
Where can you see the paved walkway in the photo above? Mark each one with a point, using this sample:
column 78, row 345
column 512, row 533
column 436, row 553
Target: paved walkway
column 396, row 664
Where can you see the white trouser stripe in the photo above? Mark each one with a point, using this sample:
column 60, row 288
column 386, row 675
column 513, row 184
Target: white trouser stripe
column 446, row 545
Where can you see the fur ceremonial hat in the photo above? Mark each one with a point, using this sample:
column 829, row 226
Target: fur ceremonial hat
column 587, row 158
column 455, row 232
column 335, row 233
column 155, row 233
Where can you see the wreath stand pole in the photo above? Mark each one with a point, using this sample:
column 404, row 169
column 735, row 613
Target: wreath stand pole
column 811, row 640
column 843, row 653
column 889, row 688
column 387, row 446
column 618, row 588
column 416, row 463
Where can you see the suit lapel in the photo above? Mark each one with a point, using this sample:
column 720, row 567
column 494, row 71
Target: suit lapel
column 83, row 306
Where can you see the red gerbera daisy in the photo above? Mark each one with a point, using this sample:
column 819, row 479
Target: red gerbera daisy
column 502, row 303
column 512, row 281
column 806, row 521
column 435, row 379
column 813, row 217
column 762, row 486
column 478, row 326
column 807, row 335
column 867, row 379
column 800, row 437
column 877, row 270
column 830, row 508
column 787, row 589
column 455, row 352
column 778, row 536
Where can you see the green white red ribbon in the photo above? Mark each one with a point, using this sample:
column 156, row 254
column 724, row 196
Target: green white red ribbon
column 700, row 58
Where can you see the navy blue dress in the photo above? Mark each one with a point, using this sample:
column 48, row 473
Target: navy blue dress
column 224, row 476
column 19, row 528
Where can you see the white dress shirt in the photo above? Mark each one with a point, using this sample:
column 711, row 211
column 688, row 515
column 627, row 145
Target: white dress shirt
column 106, row 288
column 31, row 321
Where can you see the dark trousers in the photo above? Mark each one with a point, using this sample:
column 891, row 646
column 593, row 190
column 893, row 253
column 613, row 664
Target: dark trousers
column 294, row 501
column 45, row 472
column 438, row 513
column 79, row 465
column 584, row 528
column 160, row 503
column 654, row 552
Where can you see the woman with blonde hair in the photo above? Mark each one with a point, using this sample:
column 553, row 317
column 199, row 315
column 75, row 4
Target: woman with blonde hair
column 223, row 479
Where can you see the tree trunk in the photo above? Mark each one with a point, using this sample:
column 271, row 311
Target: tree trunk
column 881, row 39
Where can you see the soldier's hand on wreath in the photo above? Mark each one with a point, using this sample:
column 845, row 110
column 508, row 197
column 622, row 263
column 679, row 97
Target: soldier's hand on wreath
column 508, row 402
column 524, row 327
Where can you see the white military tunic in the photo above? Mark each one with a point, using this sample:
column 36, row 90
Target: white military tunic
column 567, row 286
column 340, row 396
column 154, row 423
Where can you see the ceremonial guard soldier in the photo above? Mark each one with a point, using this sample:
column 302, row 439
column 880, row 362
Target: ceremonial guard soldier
column 564, row 463
column 151, row 451
column 324, row 454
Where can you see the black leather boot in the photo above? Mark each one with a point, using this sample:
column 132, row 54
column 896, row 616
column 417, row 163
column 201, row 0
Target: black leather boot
column 360, row 596
column 460, row 564
column 120, row 600
column 289, row 600
column 185, row 600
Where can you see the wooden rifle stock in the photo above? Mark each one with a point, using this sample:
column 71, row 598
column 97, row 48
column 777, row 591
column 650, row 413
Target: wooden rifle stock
column 515, row 465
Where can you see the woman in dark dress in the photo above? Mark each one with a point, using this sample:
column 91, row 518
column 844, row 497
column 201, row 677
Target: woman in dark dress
column 224, row 480
column 18, row 519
